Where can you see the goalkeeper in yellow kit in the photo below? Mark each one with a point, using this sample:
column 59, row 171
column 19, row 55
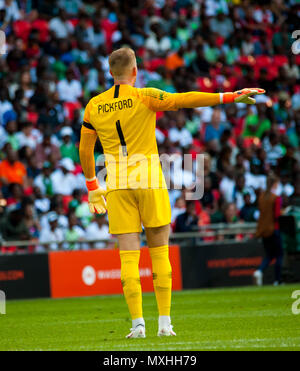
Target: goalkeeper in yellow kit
column 124, row 119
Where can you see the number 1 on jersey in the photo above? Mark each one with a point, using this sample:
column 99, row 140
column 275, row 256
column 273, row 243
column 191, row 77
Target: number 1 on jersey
column 122, row 140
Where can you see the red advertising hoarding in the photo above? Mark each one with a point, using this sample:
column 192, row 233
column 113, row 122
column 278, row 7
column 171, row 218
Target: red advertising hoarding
column 97, row 272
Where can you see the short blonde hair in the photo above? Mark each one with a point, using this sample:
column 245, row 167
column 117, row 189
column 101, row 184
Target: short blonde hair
column 121, row 61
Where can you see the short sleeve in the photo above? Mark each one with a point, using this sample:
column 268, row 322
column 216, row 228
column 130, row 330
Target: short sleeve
column 86, row 117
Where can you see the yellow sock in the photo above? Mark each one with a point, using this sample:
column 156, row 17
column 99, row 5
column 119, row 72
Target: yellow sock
column 162, row 278
column 130, row 277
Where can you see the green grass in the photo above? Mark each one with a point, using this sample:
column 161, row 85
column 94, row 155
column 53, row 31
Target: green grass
column 213, row 319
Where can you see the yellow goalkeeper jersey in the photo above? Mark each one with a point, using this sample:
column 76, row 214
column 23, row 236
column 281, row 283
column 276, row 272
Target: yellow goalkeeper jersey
column 124, row 118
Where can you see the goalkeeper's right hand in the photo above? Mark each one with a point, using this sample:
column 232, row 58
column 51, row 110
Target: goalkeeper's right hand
column 97, row 203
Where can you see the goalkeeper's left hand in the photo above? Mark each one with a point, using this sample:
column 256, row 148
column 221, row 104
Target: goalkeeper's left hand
column 242, row 96
column 97, row 203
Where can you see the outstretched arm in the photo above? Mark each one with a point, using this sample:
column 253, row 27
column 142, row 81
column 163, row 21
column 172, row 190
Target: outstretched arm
column 159, row 100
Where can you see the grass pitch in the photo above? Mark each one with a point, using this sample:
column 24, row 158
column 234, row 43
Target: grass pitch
column 212, row 319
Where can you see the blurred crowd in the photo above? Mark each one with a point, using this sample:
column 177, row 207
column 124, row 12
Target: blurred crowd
column 56, row 58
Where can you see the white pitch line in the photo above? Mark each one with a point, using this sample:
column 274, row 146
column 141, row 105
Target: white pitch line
column 246, row 314
column 235, row 343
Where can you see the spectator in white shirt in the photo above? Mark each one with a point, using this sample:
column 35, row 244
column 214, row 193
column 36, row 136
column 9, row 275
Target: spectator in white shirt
column 56, row 205
column 41, row 203
column 29, row 136
column 179, row 135
column 12, row 12
column 83, row 30
column 255, row 181
column 212, row 7
column 63, row 181
column 247, row 45
column 272, row 148
column 69, row 89
column 60, row 25
column 160, row 136
column 157, row 42
column 98, row 34
column 255, row 178
column 179, row 208
column 240, row 190
column 222, row 25
column 227, row 185
column 98, row 229
column 103, row 57
column 3, row 136
column 285, row 187
column 53, row 234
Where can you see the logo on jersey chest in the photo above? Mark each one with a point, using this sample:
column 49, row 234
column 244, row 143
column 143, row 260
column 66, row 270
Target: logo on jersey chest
column 115, row 106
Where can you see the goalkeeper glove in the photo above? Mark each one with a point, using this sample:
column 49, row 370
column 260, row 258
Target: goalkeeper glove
column 97, row 203
column 241, row 96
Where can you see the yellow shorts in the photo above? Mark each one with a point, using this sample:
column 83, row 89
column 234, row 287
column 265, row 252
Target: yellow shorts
column 128, row 209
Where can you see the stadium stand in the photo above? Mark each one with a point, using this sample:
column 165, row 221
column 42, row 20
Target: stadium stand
column 56, row 59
